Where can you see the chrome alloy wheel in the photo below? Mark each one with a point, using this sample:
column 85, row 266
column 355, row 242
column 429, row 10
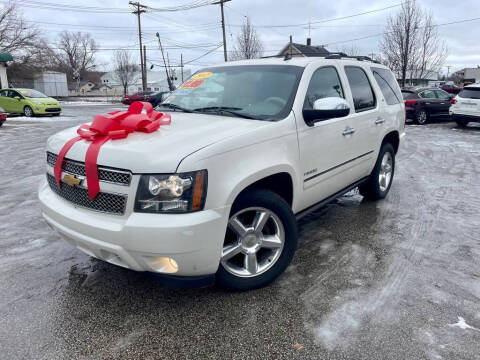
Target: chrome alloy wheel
column 28, row 112
column 254, row 242
column 386, row 171
column 422, row 117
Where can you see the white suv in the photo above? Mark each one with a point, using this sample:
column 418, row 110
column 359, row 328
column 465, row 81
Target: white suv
column 253, row 145
column 466, row 105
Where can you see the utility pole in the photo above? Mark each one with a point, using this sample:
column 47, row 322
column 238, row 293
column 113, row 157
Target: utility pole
column 221, row 2
column 139, row 10
column 448, row 70
column 181, row 65
column 145, row 66
column 170, row 85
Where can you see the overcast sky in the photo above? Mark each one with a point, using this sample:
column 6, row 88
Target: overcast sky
column 200, row 30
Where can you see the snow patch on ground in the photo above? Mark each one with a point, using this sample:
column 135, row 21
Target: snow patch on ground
column 40, row 119
column 88, row 103
column 463, row 325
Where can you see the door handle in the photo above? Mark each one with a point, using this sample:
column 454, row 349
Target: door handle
column 348, row 131
column 379, row 121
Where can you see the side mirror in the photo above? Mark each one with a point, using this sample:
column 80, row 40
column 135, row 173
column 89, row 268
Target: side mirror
column 326, row 108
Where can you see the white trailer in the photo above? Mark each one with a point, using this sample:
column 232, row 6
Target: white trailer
column 51, row 83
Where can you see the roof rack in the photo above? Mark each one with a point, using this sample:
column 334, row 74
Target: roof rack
column 345, row 56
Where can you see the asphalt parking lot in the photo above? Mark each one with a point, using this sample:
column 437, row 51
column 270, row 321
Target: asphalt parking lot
column 397, row 279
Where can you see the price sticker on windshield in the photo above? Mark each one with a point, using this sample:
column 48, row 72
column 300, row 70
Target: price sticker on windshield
column 191, row 84
column 202, row 75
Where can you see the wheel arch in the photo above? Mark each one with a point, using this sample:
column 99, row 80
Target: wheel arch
column 280, row 182
column 393, row 138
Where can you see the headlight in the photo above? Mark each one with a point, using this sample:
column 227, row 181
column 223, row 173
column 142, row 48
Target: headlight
column 37, row 102
column 172, row 193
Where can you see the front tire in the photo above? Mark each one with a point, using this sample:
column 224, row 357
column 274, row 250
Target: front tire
column 421, row 117
column 260, row 241
column 380, row 181
column 28, row 111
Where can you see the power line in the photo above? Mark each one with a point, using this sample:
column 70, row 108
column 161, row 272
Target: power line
column 203, row 55
column 329, row 20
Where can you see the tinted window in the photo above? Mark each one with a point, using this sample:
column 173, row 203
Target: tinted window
column 324, row 83
column 12, row 94
column 470, row 93
column 388, row 84
column 428, row 94
column 387, row 91
column 442, row 95
column 362, row 92
column 4, row 93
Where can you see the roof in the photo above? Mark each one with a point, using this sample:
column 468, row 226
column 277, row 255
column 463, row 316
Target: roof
column 297, row 61
column 5, row 56
column 418, row 89
column 476, row 85
column 311, row 50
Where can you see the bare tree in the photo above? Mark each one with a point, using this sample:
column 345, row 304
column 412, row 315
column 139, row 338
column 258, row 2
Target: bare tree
column 399, row 41
column 411, row 42
column 350, row 50
column 126, row 70
column 431, row 50
column 248, row 45
column 76, row 52
column 15, row 33
column 24, row 41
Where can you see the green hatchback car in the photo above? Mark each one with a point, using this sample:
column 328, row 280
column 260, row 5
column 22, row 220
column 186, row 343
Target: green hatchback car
column 28, row 102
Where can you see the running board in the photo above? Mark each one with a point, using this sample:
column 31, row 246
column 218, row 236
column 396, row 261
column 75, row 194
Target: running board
column 329, row 199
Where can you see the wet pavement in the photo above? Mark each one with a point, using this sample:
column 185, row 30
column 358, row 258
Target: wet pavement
column 397, row 279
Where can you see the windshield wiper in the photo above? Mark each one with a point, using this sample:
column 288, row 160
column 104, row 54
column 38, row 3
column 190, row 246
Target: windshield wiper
column 226, row 110
column 176, row 107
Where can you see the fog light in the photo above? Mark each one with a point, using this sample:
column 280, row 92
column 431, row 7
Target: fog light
column 162, row 264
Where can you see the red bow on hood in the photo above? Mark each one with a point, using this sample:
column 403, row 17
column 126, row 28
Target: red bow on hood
column 114, row 125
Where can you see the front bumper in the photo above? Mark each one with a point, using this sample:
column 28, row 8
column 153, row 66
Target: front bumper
column 46, row 109
column 140, row 241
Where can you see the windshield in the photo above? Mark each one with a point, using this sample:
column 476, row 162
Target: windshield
column 262, row 92
column 30, row 93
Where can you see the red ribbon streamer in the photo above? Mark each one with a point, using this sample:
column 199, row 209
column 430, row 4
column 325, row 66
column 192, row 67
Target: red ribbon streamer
column 114, row 125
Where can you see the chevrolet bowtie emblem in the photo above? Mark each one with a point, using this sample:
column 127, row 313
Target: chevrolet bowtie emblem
column 71, row 180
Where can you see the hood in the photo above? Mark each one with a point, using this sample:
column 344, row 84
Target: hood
column 44, row 101
column 162, row 150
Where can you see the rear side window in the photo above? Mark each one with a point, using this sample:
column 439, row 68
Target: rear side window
column 442, row 95
column 470, row 93
column 324, row 83
column 362, row 92
column 428, row 94
column 388, row 85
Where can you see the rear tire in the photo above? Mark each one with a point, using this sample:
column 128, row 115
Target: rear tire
column 28, row 111
column 381, row 178
column 462, row 123
column 256, row 257
column 421, row 117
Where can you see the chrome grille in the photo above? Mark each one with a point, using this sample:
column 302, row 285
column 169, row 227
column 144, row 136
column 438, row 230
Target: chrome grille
column 104, row 202
column 120, row 177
